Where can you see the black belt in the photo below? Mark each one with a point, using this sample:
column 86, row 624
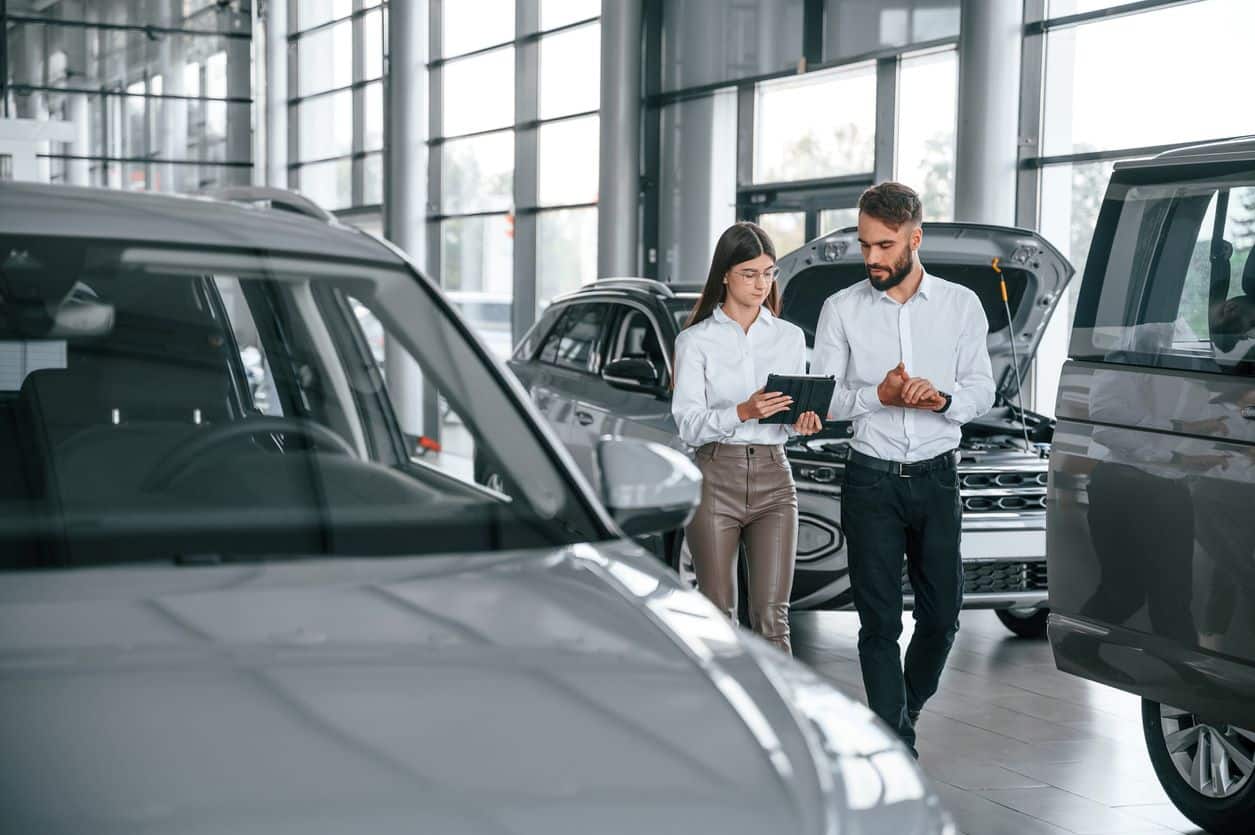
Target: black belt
column 944, row 461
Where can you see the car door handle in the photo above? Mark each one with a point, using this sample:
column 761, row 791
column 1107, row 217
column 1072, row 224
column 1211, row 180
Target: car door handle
column 1248, row 412
column 584, row 418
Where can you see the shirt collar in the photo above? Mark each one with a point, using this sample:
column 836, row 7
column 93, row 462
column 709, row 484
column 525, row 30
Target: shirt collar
column 925, row 289
column 764, row 315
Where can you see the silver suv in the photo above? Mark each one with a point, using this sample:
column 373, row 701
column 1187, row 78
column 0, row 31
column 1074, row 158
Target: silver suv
column 599, row 362
column 1152, row 485
column 222, row 612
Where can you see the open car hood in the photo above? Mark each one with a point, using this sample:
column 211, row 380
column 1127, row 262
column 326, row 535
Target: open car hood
column 1035, row 271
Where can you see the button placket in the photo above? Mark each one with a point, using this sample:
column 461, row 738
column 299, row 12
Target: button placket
column 908, row 359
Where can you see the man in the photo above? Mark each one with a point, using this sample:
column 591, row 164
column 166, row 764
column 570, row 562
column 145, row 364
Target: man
column 912, row 366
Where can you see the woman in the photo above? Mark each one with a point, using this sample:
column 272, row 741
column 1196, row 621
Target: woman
column 732, row 341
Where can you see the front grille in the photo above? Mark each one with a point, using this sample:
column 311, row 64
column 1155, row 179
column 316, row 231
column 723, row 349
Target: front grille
column 998, row 577
column 993, row 491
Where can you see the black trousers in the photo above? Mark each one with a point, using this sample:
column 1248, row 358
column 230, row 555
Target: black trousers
column 884, row 517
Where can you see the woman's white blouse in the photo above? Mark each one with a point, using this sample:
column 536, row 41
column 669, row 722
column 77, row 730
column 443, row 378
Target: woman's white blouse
column 718, row 365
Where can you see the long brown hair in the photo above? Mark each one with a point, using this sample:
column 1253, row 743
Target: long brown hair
column 742, row 241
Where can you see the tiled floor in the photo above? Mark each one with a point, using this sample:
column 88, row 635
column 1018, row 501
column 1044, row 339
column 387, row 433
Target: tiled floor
column 1012, row 745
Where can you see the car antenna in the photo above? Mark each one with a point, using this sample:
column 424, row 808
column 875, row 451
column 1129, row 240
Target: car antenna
column 1015, row 358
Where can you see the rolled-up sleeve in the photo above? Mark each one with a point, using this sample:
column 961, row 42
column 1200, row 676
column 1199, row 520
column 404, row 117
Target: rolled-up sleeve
column 697, row 423
column 973, row 393
column 832, row 356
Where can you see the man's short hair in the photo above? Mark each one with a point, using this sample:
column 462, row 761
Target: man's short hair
column 892, row 204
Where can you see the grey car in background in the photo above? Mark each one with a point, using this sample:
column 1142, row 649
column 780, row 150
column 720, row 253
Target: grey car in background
column 224, row 614
column 599, row 361
column 1151, row 539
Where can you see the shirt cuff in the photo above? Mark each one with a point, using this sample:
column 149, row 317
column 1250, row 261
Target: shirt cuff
column 727, row 420
column 868, row 400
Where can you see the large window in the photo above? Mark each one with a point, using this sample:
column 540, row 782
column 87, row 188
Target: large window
column 169, row 113
column 336, row 111
column 518, row 156
column 1106, row 84
column 801, row 135
column 1112, row 84
column 927, row 120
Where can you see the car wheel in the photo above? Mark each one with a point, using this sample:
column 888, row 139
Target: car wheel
column 1206, row 768
column 1027, row 623
column 681, row 560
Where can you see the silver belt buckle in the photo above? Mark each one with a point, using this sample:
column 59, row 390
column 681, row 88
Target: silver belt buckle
column 901, row 473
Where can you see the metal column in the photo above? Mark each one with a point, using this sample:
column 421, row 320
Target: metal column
column 618, row 217
column 405, row 206
column 990, row 37
column 277, row 93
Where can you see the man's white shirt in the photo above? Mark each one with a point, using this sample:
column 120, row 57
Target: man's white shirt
column 718, row 364
column 939, row 334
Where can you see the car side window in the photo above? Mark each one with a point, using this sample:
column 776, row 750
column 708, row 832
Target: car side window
column 1177, row 283
column 636, row 337
column 575, row 342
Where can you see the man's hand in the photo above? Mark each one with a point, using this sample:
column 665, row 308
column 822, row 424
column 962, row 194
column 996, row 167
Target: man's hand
column 763, row 404
column 919, row 393
column 808, row 424
column 890, row 389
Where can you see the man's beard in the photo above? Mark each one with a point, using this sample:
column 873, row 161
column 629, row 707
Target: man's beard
column 896, row 275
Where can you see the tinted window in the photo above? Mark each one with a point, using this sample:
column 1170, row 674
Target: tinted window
column 133, row 424
column 574, row 343
column 1170, row 282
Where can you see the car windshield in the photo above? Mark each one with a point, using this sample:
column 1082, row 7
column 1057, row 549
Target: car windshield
column 167, row 403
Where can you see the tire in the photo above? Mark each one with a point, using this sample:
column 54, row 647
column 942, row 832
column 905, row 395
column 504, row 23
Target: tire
column 1026, row 623
column 1216, row 807
column 681, row 562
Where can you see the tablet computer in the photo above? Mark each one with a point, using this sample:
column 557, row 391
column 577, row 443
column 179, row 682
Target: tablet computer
column 809, row 393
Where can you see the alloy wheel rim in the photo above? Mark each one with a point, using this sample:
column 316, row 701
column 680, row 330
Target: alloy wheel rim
column 1218, row 761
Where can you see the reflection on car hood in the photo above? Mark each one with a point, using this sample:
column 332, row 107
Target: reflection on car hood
column 1036, row 275
column 531, row 692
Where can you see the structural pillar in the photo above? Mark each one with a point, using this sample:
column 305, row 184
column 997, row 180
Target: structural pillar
column 405, row 203
column 990, row 38
column 239, row 116
column 618, row 216
column 276, row 162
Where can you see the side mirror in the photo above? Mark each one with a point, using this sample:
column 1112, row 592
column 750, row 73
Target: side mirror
column 647, row 487
column 633, row 374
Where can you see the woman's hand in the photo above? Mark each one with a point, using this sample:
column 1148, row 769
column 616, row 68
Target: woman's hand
column 808, row 424
column 763, row 404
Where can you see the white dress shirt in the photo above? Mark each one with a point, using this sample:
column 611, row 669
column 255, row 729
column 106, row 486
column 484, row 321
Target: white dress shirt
column 718, row 365
column 938, row 334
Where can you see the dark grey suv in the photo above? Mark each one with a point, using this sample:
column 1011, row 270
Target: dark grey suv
column 1152, row 481
column 599, row 361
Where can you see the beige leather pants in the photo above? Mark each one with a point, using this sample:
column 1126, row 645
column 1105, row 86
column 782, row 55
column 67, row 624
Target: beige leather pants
column 747, row 495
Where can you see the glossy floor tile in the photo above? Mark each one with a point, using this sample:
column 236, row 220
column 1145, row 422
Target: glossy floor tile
column 1011, row 744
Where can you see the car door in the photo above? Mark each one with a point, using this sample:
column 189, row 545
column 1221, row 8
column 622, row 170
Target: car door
column 1151, row 541
column 628, row 410
column 566, row 384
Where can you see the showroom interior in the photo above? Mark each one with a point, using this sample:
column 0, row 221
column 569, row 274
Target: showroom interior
column 517, row 152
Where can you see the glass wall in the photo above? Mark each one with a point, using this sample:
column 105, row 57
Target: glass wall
column 780, row 113
column 154, row 94
column 335, row 113
column 518, row 155
column 1107, row 85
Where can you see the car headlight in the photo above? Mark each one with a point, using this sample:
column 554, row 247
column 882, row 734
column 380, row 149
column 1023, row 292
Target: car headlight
column 864, row 768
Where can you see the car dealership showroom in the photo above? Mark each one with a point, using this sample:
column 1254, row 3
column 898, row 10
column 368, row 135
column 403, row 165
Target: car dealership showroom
column 511, row 417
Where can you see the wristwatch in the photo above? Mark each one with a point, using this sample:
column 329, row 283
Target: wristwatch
column 947, row 404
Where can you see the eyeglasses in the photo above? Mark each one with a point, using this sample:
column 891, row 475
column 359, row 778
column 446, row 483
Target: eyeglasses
column 752, row 276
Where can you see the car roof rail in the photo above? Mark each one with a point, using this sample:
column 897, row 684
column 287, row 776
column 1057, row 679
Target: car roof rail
column 272, row 198
column 633, row 283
